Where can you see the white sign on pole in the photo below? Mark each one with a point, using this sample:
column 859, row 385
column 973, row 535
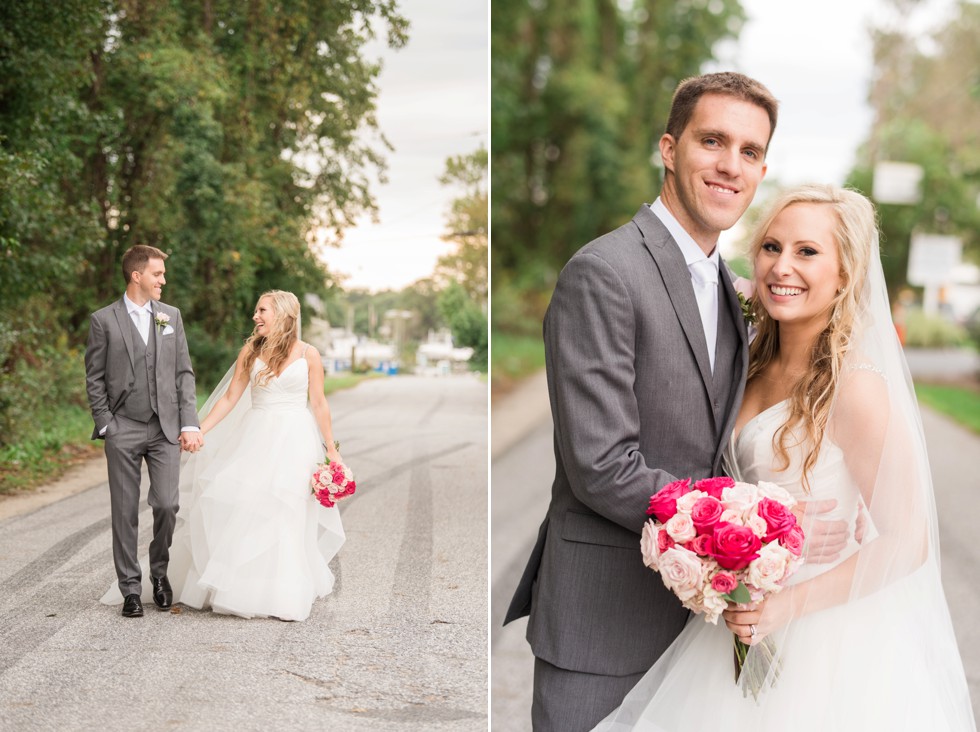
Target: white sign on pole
column 897, row 182
column 932, row 258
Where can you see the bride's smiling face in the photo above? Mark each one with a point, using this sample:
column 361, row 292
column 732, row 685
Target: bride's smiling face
column 264, row 317
column 797, row 268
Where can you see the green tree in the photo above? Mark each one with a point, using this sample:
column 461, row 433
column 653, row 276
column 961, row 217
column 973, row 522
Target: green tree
column 580, row 91
column 926, row 103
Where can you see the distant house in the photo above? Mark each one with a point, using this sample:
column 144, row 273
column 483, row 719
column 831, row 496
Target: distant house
column 437, row 356
column 346, row 350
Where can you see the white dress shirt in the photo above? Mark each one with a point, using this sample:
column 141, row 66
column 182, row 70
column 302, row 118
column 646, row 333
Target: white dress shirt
column 704, row 275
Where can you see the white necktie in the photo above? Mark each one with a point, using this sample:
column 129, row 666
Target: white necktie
column 704, row 275
column 142, row 324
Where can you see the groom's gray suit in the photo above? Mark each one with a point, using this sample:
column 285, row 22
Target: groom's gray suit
column 141, row 395
column 635, row 406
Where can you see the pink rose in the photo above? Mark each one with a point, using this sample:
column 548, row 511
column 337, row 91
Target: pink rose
column 682, row 572
column 745, row 287
column 648, row 545
column 664, row 542
column 714, row 486
column 338, row 478
column 663, row 503
column 770, row 569
column 735, row 546
column 701, row 545
column 778, row 518
column 724, row 582
column 793, row 540
column 706, row 513
column 680, row 527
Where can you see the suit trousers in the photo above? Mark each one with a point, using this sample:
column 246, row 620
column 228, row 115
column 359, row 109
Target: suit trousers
column 128, row 443
column 572, row 701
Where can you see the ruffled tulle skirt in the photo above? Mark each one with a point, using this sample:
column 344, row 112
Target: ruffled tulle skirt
column 250, row 538
column 875, row 664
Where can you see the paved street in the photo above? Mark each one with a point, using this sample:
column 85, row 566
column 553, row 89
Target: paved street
column 522, row 469
column 399, row 645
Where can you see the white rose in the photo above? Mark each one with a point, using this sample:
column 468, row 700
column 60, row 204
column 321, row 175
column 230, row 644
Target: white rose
column 758, row 525
column 768, row 571
column 686, row 502
column 776, row 493
column 732, row 517
column 680, row 527
column 714, row 604
column 682, row 572
column 648, row 545
column 740, row 497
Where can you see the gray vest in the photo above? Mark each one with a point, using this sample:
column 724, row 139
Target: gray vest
column 141, row 402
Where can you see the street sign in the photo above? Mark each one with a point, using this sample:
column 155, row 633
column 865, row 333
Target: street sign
column 897, row 182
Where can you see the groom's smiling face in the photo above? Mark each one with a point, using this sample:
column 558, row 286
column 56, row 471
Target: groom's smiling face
column 715, row 166
column 151, row 280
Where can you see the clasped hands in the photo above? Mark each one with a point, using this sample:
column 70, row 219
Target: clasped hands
column 825, row 540
column 191, row 441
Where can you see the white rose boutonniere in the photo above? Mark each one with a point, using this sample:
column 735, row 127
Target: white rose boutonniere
column 162, row 320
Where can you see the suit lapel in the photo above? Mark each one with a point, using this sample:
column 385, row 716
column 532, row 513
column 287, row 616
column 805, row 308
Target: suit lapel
column 126, row 326
column 735, row 310
column 677, row 281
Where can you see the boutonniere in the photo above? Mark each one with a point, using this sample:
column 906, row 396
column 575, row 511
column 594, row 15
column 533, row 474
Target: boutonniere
column 747, row 313
column 745, row 289
column 162, row 320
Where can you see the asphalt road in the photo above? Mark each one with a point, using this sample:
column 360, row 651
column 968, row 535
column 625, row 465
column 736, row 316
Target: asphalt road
column 399, row 645
column 520, row 490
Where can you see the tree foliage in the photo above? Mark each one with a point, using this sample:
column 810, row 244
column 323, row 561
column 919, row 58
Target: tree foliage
column 580, row 94
column 926, row 98
column 223, row 132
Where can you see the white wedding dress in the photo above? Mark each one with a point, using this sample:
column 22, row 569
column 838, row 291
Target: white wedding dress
column 251, row 540
column 873, row 663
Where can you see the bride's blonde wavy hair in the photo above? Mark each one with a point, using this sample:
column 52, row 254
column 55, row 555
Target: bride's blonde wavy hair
column 812, row 397
column 276, row 346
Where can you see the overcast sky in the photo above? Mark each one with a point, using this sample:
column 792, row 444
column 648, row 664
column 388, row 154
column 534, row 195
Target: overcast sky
column 816, row 60
column 433, row 104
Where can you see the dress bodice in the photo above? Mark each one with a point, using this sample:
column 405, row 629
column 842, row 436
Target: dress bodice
column 750, row 458
column 286, row 391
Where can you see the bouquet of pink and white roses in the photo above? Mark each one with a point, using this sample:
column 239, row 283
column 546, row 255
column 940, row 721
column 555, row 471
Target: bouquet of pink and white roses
column 331, row 481
column 718, row 541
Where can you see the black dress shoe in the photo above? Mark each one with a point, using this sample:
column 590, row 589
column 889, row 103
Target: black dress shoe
column 163, row 596
column 132, row 607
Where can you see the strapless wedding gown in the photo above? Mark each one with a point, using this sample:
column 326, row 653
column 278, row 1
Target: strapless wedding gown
column 251, row 540
column 869, row 665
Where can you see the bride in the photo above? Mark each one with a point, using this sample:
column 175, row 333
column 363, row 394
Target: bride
column 250, row 539
column 863, row 643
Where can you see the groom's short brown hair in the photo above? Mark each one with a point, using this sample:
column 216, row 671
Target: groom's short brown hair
column 729, row 83
column 136, row 257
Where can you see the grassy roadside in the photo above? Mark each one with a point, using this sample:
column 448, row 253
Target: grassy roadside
column 58, row 442
column 960, row 403
column 63, row 440
column 513, row 357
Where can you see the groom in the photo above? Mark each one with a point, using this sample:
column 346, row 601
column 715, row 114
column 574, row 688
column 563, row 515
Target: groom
column 141, row 391
column 646, row 360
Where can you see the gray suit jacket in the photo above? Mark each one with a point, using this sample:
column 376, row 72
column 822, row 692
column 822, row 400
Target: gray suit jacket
column 109, row 368
column 635, row 406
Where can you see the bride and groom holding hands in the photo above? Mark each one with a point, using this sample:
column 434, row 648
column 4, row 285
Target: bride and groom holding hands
column 653, row 377
column 248, row 539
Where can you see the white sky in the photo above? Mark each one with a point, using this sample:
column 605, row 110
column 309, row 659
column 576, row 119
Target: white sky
column 816, row 60
column 433, row 104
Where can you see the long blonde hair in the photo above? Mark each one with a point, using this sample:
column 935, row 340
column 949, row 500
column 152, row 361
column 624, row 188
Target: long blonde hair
column 276, row 346
column 812, row 396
